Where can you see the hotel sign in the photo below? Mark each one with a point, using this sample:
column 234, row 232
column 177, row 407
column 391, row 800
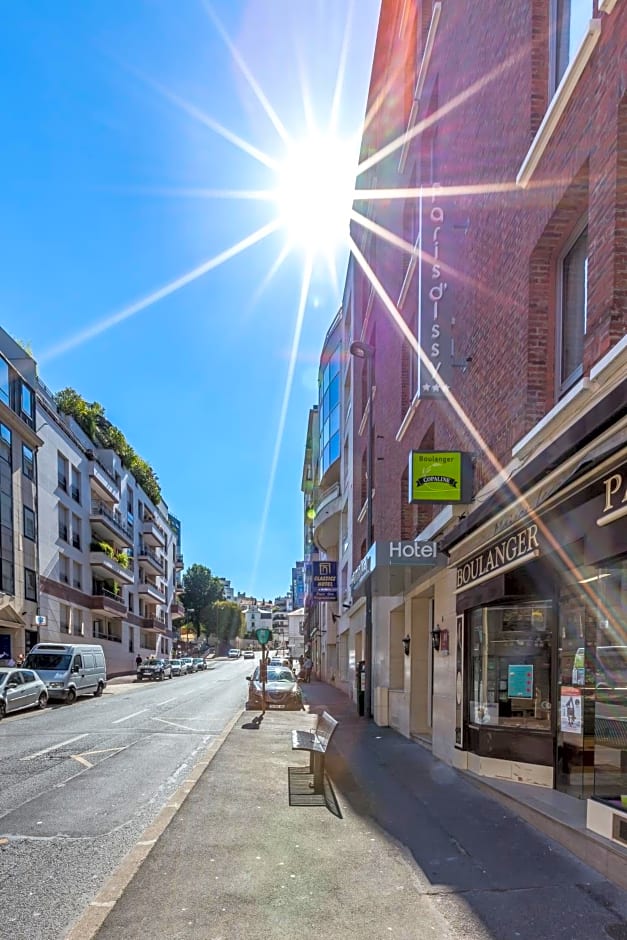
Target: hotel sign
column 521, row 547
column 411, row 553
column 440, row 477
column 324, row 580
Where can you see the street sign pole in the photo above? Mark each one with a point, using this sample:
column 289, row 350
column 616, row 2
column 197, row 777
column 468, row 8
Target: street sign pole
column 264, row 635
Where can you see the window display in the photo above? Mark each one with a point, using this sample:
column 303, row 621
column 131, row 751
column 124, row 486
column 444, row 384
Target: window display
column 511, row 666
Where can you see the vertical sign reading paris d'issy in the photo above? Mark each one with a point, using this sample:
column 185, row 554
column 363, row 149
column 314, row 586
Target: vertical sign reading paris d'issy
column 436, row 317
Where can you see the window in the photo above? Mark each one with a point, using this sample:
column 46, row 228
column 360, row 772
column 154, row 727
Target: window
column 76, row 485
column 29, row 524
column 130, row 518
column 77, row 575
column 64, row 618
column 572, row 304
column 28, row 462
column 62, row 472
column 63, row 524
column 511, row 666
column 4, row 381
column 570, row 19
column 30, row 584
column 64, row 569
column 78, row 625
column 27, row 405
column 76, row 531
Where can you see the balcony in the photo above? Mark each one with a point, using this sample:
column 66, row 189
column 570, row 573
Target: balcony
column 103, row 484
column 179, row 564
column 177, row 611
column 107, row 568
column 326, row 524
column 107, row 524
column 150, row 559
column 152, row 534
column 106, row 602
column 154, row 623
column 150, row 591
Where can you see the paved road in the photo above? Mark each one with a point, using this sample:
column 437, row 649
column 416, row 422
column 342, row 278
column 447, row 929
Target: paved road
column 79, row 784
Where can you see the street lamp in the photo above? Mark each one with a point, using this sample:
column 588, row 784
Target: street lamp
column 366, row 351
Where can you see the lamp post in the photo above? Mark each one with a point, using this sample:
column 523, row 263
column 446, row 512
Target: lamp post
column 366, row 351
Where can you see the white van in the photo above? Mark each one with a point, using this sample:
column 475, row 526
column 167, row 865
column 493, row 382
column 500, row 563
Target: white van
column 69, row 669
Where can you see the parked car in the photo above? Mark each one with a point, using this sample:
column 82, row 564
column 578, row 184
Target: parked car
column 21, row 688
column 282, row 689
column 177, row 668
column 154, row 669
column 234, row 654
column 188, row 662
column 69, row 669
column 200, row 664
column 249, row 654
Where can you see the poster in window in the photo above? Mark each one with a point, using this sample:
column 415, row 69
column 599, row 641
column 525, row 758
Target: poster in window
column 520, row 681
column 570, row 709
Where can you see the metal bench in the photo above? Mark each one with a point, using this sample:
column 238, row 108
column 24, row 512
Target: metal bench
column 316, row 742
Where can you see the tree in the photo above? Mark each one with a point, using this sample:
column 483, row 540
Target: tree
column 200, row 592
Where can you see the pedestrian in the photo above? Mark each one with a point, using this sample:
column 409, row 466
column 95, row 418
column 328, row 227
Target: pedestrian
column 20, row 660
column 138, row 661
column 308, row 666
column 11, row 662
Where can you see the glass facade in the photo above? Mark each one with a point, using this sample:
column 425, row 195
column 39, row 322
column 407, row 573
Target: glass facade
column 510, row 666
column 329, row 407
column 592, row 725
column 7, row 577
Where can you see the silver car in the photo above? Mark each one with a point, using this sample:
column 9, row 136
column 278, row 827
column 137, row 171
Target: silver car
column 21, row 688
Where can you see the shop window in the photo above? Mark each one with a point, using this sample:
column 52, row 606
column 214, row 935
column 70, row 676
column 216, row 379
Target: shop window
column 510, row 666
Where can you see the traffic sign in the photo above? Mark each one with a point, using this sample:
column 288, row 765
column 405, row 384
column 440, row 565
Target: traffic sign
column 264, row 635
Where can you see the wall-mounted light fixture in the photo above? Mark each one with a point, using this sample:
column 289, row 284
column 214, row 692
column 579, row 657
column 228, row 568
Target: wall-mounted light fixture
column 436, row 635
column 335, row 617
column 406, row 642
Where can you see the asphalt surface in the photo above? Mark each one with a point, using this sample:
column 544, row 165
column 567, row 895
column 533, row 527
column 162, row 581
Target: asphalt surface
column 79, row 785
column 414, row 852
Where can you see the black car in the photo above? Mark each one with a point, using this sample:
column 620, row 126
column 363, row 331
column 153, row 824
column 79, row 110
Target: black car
column 282, row 689
column 154, row 669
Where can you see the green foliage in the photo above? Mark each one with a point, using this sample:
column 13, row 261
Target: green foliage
column 200, row 592
column 97, row 546
column 90, row 416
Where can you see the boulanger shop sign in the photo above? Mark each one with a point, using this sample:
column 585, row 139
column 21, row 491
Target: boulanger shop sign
column 518, row 548
column 440, row 476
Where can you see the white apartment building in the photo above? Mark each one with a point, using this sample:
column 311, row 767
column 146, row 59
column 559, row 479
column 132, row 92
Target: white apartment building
column 109, row 556
column 18, row 500
column 255, row 617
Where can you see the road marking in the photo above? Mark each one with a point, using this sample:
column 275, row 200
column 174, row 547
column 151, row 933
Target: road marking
column 167, row 701
column 105, row 750
column 128, row 717
column 53, row 747
column 174, row 724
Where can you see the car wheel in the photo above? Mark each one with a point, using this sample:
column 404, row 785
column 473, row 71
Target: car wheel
column 99, row 690
column 71, row 697
column 42, row 701
column 139, row 678
column 3, row 710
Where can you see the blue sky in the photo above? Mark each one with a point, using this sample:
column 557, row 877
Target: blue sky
column 111, row 117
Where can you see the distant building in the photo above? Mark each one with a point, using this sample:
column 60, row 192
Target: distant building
column 19, row 445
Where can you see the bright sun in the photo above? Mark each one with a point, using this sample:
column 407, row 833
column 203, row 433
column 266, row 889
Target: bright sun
column 314, row 193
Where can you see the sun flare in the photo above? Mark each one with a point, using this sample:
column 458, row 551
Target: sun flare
column 314, row 193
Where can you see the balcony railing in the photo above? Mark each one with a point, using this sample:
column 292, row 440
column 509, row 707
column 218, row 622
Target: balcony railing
column 151, row 557
column 102, row 479
column 147, row 587
column 111, row 517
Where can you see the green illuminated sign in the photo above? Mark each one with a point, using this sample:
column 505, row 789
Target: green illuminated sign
column 263, row 635
column 440, row 477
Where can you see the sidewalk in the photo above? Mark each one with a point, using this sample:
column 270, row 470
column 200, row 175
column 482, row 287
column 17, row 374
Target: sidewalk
column 418, row 852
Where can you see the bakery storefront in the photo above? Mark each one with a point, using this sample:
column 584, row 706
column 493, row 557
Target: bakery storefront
column 542, row 613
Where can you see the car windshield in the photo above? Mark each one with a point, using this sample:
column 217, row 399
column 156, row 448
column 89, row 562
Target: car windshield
column 277, row 675
column 155, row 662
column 175, row 662
column 58, row 661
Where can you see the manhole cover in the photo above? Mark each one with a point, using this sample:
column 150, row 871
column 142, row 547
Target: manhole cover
column 617, row 931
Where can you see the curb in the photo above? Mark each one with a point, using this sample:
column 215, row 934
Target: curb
column 96, row 912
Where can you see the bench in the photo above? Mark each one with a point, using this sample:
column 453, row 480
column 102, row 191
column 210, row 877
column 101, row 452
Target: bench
column 316, row 742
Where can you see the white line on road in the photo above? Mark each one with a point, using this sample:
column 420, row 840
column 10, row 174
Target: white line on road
column 53, row 747
column 167, row 701
column 128, row 717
